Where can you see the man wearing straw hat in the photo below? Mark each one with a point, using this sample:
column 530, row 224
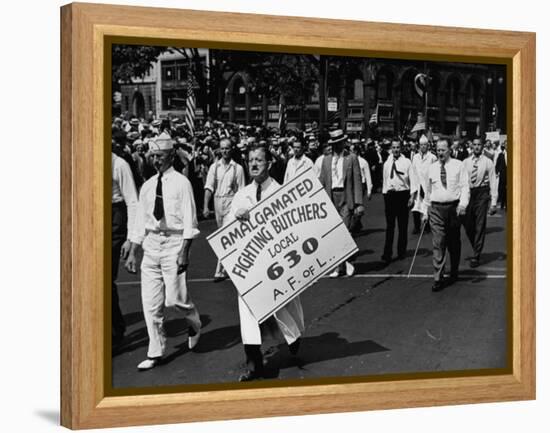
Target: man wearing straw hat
column 340, row 175
column 166, row 224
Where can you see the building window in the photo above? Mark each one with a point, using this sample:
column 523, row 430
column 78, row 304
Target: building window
column 472, row 94
column 358, row 89
column 173, row 99
column 383, row 88
column 126, row 103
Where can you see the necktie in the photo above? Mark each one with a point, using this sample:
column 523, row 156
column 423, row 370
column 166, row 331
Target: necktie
column 158, row 212
column 259, row 193
column 473, row 177
column 394, row 170
column 443, row 175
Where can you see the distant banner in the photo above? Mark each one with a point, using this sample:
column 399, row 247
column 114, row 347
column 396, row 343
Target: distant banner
column 492, row 136
column 293, row 238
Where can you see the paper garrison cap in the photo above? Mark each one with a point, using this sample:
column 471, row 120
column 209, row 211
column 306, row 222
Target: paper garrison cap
column 162, row 142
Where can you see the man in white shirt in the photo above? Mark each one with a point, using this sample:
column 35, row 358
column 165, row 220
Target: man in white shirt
column 290, row 318
column 166, row 224
column 299, row 162
column 447, row 197
column 399, row 187
column 225, row 177
column 421, row 162
column 483, row 192
column 124, row 203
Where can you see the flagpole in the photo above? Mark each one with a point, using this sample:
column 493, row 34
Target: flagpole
column 426, row 96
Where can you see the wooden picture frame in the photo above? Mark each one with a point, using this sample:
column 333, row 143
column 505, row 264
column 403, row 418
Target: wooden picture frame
column 84, row 222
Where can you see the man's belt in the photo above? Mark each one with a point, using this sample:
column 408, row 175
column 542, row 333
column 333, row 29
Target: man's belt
column 337, row 189
column 167, row 232
column 446, row 203
column 480, row 187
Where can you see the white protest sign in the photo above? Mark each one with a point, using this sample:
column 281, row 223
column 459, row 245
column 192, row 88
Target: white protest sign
column 293, row 238
column 492, row 136
column 332, row 104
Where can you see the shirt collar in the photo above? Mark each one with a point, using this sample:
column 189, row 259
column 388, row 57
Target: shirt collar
column 168, row 172
column 265, row 183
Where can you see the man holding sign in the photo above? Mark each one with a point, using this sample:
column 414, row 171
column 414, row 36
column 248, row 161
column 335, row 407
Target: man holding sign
column 290, row 318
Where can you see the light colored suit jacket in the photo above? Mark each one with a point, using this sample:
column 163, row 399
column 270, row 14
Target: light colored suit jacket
column 353, row 189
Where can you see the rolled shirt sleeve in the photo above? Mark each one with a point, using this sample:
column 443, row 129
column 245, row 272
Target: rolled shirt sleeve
column 189, row 212
column 138, row 233
column 464, row 186
column 493, row 183
column 210, row 177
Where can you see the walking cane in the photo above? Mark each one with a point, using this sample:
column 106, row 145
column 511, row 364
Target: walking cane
column 417, row 245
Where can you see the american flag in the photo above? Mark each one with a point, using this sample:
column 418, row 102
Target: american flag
column 420, row 124
column 190, row 106
column 374, row 116
column 282, row 117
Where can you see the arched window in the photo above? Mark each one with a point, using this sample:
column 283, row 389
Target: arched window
column 408, row 92
column 433, row 90
column 239, row 90
column 473, row 93
column 384, row 84
column 452, row 92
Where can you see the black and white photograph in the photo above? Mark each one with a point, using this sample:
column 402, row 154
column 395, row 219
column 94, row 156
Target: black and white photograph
column 295, row 217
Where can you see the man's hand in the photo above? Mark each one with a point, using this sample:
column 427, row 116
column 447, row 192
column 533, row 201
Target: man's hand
column 424, row 218
column 369, row 195
column 131, row 264
column 125, row 250
column 493, row 210
column 460, row 210
column 242, row 214
column 411, row 201
column 359, row 210
column 206, row 213
column 182, row 262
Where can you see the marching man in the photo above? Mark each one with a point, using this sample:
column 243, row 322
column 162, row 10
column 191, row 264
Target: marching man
column 421, row 162
column 483, row 192
column 166, row 224
column 447, row 197
column 225, row 177
column 299, row 162
column 289, row 319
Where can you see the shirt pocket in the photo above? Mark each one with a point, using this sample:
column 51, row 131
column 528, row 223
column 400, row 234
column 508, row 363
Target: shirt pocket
column 172, row 205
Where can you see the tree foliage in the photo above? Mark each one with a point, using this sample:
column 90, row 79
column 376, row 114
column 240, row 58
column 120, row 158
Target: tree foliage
column 132, row 61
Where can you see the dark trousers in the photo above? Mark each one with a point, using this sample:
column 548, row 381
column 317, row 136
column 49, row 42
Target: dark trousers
column 397, row 209
column 475, row 220
column 119, row 234
column 339, row 199
column 445, row 236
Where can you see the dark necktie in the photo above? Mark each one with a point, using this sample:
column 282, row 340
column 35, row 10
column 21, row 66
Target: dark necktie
column 259, row 193
column 158, row 212
column 394, row 170
column 473, row 177
column 443, row 175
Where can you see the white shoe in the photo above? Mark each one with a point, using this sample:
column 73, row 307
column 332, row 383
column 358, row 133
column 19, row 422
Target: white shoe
column 350, row 269
column 334, row 274
column 148, row 364
column 193, row 340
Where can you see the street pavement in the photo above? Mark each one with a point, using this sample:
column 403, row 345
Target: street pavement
column 377, row 322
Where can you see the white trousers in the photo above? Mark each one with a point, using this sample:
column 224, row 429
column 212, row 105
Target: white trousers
column 162, row 287
column 290, row 320
column 222, row 206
